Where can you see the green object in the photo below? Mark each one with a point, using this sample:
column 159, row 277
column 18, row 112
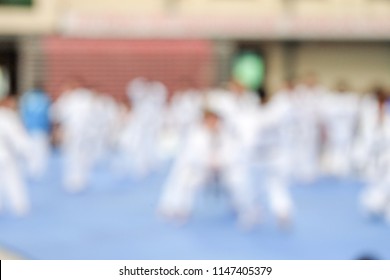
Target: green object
column 249, row 70
column 16, row 2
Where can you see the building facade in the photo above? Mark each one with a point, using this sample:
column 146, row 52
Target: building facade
column 192, row 42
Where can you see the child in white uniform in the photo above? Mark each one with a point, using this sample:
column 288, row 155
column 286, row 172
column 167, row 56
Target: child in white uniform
column 74, row 112
column 276, row 144
column 14, row 143
column 340, row 115
column 148, row 101
column 375, row 140
column 210, row 150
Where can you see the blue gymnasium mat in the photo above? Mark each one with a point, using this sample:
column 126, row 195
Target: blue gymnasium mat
column 115, row 219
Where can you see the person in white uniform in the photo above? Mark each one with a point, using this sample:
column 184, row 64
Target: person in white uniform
column 307, row 104
column 339, row 115
column 125, row 139
column 233, row 102
column 132, row 121
column 238, row 107
column 74, row 112
column 275, row 150
column 14, row 145
column 182, row 111
column 375, row 155
column 285, row 109
column 251, row 122
column 371, row 124
column 148, row 100
column 210, row 150
column 103, row 125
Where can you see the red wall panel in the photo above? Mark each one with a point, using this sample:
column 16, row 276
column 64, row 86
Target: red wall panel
column 110, row 64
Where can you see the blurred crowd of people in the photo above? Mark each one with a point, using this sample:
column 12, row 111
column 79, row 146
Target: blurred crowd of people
column 211, row 137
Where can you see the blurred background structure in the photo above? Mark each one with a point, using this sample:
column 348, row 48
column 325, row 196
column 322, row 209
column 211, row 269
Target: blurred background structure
column 49, row 40
column 88, row 51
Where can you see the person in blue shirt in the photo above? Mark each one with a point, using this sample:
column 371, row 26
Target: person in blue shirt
column 34, row 108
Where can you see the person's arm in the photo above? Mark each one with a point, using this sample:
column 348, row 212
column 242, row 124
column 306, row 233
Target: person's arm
column 18, row 138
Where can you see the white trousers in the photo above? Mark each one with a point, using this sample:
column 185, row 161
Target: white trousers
column 78, row 163
column 12, row 189
column 41, row 151
column 185, row 182
column 375, row 199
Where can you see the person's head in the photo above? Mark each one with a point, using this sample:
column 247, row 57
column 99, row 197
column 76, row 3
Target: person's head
column 342, row 86
column 96, row 89
column 185, row 83
column 211, row 120
column 9, row 102
column 289, row 84
column 380, row 94
column 263, row 96
column 76, row 82
column 69, row 84
column 127, row 104
column 38, row 86
column 311, row 79
column 236, row 87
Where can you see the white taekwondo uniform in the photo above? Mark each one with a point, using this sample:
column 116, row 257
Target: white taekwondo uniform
column 75, row 112
column 148, row 99
column 276, row 152
column 307, row 102
column 206, row 154
column 182, row 112
column 104, row 125
column 14, row 143
column 339, row 115
column 375, row 156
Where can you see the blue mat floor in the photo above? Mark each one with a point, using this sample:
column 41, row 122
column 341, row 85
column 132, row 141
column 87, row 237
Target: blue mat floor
column 116, row 219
